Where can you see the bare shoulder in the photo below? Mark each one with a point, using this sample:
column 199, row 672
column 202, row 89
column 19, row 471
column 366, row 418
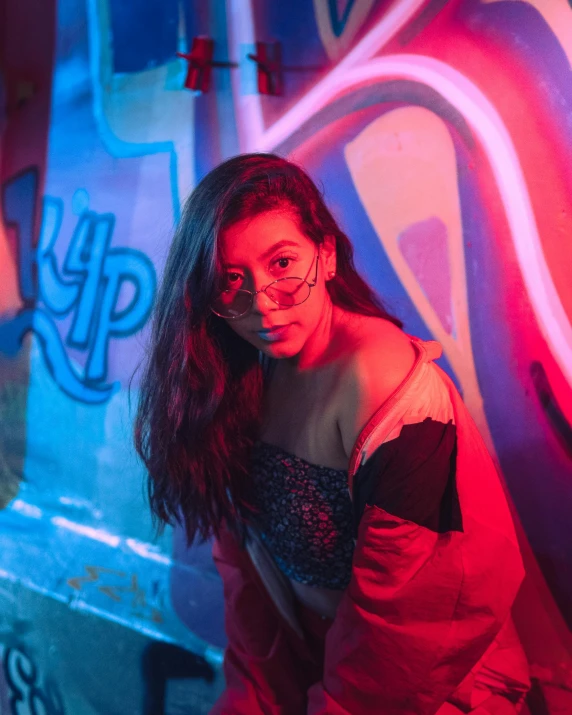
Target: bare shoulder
column 382, row 359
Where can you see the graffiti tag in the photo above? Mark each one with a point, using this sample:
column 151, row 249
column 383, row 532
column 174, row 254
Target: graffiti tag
column 27, row 696
column 139, row 605
column 86, row 287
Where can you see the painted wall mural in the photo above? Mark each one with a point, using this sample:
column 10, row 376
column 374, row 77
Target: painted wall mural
column 441, row 132
column 86, row 288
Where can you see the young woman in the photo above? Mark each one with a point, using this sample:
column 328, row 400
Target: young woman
column 366, row 549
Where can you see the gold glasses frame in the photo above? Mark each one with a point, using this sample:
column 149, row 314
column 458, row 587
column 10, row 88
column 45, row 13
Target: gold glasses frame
column 263, row 290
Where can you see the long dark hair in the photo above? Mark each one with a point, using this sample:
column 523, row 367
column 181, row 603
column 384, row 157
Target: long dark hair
column 200, row 394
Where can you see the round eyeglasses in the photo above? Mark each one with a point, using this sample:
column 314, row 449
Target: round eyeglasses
column 286, row 292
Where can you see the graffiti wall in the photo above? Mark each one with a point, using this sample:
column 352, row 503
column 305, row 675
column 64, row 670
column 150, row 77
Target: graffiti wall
column 441, row 132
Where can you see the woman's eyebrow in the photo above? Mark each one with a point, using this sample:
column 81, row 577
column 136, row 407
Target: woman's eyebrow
column 270, row 250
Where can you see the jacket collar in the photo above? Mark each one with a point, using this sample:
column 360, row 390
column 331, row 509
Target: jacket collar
column 375, row 431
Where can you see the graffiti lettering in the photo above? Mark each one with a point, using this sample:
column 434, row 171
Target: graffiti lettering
column 87, row 286
column 557, row 419
column 339, row 23
column 26, row 695
column 19, row 208
column 93, row 573
column 139, row 604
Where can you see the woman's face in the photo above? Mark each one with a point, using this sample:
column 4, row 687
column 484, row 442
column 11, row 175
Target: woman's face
column 260, row 250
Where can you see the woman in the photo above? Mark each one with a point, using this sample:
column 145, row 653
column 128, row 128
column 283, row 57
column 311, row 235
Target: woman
column 367, row 552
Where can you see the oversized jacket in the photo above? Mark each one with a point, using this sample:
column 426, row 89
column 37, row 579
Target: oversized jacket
column 425, row 624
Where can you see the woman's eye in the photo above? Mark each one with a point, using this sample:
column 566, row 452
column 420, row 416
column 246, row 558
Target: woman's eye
column 288, row 260
column 232, row 278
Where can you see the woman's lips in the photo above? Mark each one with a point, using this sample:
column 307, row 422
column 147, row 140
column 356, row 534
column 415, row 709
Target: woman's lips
column 274, row 333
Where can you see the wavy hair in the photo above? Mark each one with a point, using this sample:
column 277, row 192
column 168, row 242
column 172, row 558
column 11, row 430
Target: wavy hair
column 200, row 394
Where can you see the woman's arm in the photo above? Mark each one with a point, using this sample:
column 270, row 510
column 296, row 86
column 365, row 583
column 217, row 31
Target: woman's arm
column 406, row 632
column 260, row 666
column 431, row 585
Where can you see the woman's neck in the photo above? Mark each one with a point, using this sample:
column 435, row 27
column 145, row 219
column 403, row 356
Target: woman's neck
column 323, row 346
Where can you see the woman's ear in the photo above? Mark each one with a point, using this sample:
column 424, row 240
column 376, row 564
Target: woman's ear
column 329, row 255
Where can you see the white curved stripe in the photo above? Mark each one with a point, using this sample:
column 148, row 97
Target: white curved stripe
column 478, row 111
column 241, row 36
column 252, row 135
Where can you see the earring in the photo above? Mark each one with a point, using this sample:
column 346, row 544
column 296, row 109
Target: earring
column 331, row 274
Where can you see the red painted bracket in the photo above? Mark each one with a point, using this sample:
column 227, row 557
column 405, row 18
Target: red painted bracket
column 201, row 62
column 268, row 59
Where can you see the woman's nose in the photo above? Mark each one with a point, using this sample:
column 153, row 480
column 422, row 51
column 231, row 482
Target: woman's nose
column 261, row 302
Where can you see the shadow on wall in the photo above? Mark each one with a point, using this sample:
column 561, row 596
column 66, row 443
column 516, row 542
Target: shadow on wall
column 163, row 662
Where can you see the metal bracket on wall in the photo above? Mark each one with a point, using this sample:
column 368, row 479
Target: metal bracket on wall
column 201, row 62
column 268, row 60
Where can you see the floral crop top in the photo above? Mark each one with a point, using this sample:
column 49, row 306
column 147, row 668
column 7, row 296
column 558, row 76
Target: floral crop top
column 305, row 517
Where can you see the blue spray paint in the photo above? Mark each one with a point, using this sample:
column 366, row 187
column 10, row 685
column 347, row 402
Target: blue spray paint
column 87, row 287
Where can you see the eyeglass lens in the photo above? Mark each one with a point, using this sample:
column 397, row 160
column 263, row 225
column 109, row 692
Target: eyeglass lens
column 286, row 293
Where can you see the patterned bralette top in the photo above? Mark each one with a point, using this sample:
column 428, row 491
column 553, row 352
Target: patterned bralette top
column 305, row 517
